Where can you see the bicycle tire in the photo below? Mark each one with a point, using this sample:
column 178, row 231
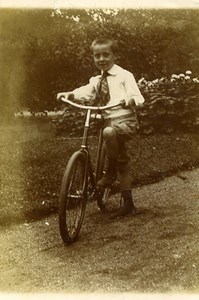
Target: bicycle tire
column 73, row 197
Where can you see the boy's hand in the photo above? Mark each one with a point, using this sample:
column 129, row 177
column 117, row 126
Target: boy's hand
column 86, row 102
column 69, row 96
column 60, row 95
column 123, row 103
column 131, row 103
column 140, row 105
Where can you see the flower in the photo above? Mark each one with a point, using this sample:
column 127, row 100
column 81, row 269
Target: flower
column 187, row 77
column 196, row 80
column 175, row 76
column 181, row 75
column 188, row 72
column 155, row 81
column 141, row 80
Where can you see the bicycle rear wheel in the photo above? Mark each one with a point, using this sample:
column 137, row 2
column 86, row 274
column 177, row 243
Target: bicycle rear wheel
column 73, row 197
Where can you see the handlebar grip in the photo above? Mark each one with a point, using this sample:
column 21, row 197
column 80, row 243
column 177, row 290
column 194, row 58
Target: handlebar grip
column 69, row 96
column 60, row 98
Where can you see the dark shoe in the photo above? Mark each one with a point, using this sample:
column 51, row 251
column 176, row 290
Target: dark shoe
column 127, row 208
column 123, row 211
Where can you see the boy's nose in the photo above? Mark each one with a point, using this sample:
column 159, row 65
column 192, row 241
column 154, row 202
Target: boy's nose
column 101, row 57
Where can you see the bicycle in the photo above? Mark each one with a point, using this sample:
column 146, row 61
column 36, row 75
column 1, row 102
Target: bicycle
column 79, row 182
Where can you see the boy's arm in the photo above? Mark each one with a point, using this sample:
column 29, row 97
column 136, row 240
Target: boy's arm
column 84, row 93
column 134, row 96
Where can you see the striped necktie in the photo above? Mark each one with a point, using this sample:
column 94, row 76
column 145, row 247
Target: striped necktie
column 103, row 95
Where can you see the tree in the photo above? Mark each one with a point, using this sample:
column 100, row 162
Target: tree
column 53, row 53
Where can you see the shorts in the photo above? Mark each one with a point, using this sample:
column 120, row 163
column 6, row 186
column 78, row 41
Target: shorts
column 125, row 127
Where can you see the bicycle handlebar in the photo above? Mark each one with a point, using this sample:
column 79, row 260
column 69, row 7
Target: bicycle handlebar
column 96, row 108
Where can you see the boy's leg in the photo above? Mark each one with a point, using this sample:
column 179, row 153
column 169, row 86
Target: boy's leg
column 114, row 138
column 111, row 142
column 125, row 180
column 125, row 131
column 112, row 150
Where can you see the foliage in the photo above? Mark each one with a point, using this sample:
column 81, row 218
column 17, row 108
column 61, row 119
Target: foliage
column 172, row 104
column 53, row 53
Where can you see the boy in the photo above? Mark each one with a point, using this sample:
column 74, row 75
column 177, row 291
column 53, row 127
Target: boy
column 115, row 84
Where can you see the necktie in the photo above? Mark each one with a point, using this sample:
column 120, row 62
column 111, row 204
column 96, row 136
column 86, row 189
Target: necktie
column 103, row 95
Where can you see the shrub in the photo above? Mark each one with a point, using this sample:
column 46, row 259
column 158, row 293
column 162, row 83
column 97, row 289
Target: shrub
column 171, row 105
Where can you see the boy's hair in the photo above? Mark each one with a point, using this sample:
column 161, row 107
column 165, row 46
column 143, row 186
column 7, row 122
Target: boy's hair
column 101, row 41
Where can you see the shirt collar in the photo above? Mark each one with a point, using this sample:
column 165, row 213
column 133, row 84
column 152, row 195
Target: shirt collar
column 113, row 70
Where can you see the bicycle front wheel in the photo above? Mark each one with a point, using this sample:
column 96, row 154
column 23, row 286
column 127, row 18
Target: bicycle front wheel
column 73, row 197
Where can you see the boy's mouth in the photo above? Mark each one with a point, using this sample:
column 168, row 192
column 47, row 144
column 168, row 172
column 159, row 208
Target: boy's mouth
column 103, row 65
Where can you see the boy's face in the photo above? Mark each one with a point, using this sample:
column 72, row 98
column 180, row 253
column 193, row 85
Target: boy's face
column 104, row 57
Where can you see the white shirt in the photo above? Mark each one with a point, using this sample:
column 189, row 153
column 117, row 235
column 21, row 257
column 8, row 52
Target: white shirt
column 122, row 86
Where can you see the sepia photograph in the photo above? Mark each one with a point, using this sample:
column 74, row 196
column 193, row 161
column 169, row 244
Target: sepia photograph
column 99, row 149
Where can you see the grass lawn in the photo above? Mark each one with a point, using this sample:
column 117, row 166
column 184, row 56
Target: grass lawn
column 33, row 161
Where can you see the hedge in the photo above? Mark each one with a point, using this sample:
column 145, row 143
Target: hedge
column 171, row 105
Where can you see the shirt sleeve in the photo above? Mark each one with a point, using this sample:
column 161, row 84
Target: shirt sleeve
column 132, row 90
column 86, row 92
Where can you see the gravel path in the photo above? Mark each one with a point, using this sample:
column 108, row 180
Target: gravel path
column 155, row 252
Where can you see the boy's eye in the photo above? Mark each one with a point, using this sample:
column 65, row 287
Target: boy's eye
column 106, row 54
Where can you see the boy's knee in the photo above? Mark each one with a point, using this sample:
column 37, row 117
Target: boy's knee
column 108, row 133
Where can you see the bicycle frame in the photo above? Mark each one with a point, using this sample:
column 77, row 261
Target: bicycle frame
column 94, row 176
